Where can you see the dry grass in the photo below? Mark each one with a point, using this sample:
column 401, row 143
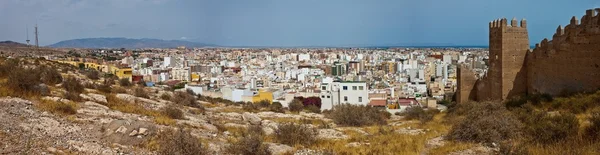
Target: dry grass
column 135, row 108
column 123, row 106
column 450, row 147
column 231, row 109
column 164, row 120
column 59, row 108
column 388, row 141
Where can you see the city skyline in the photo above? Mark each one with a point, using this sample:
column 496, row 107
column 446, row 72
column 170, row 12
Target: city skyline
column 278, row 23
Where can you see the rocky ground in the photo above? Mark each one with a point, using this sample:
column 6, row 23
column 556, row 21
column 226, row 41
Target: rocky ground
column 98, row 129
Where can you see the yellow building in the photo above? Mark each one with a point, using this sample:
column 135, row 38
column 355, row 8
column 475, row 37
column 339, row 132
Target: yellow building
column 195, row 77
column 263, row 94
column 123, row 73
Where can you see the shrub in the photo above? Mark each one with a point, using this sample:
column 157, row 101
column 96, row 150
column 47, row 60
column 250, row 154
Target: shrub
column 296, row 105
column 119, row 90
column 165, row 96
column 593, row 131
column 250, row 143
column 191, row 92
column 485, row 122
column 358, row 115
column 92, row 74
column 276, row 107
column 23, row 81
column 104, row 88
column 140, row 92
column 249, row 106
column 292, row 134
column 185, row 99
column 172, row 112
column 50, row 76
column 264, row 103
column 313, row 109
column 125, row 82
column 72, row 85
column 73, row 96
column 510, row 148
column 8, row 66
column 551, row 129
column 418, row 113
column 179, row 142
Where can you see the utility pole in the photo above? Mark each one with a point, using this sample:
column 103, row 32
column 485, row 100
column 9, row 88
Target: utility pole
column 37, row 45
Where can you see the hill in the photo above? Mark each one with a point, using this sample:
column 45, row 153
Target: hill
column 125, row 43
column 12, row 44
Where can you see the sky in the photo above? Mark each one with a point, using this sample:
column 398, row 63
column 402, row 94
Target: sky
column 284, row 22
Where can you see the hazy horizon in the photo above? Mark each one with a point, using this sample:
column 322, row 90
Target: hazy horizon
column 282, row 23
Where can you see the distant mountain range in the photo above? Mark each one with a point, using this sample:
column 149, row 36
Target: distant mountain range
column 126, row 43
column 12, row 44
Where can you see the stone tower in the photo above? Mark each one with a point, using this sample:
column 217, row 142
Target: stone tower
column 509, row 44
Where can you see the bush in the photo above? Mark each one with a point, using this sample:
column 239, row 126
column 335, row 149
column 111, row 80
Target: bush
column 125, row 82
column 292, row 134
column 358, row 115
column 593, row 131
column 251, row 143
column 72, row 85
column 8, row 66
column 140, row 92
column 551, row 129
column 185, row 99
column 296, row 106
column 23, row 81
column 485, row 122
column 276, row 107
column 313, row 109
column 191, row 92
column 249, row 106
column 165, row 96
column 418, row 113
column 179, row 142
column 264, row 103
column 104, row 88
column 73, row 96
column 172, row 112
column 92, row 74
column 119, row 90
column 50, row 76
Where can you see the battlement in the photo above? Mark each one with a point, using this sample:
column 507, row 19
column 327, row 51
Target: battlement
column 588, row 25
column 503, row 23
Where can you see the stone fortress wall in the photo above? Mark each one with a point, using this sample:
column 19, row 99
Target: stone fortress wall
column 569, row 63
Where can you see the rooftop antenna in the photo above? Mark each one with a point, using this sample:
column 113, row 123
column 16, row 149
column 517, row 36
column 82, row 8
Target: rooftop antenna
column 27, row 31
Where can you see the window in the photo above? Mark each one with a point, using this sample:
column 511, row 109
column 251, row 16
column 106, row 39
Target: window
column 345, row 87
column 323, row 96
column 359, row 99
column 361, row 88
column 346, row 98
column 328, row 96
column 353, row 87
column 323, row 88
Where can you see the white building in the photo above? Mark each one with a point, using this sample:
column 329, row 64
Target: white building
column 182, row 74
column 167, row 62
column 304, row 57
column 350, row 92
